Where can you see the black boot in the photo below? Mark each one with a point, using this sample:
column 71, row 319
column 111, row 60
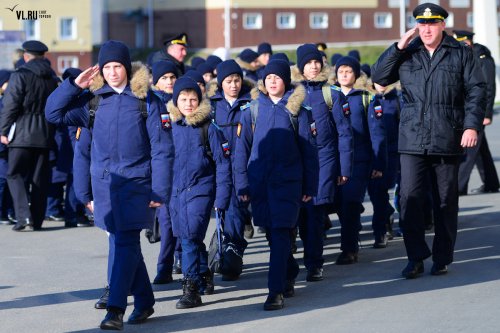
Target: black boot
column 274, row 302
column 113, row 320
column 191, row 296
column 177, row 268
column 207, row 286
column 102, row 303
column 21, row 224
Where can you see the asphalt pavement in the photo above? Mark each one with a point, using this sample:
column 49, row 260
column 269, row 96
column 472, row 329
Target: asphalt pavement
column 50, row 280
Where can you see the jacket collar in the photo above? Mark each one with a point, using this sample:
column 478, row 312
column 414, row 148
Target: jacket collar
column 293, row 97
column 137, row 86
column 323, row 76
column 198, row 117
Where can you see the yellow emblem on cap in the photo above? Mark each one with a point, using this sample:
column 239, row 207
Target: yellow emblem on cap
column 183, row 40
column 427, row 13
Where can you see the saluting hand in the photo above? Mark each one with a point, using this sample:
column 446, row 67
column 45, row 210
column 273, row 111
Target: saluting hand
column 4, row 140
column 469, row 138
column 85, row 79
column 406, row 38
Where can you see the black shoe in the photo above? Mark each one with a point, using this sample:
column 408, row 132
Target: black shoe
column 54, row 218
column 438, row 269
column 22, row 224
column 249, row 231
column 274, row 302
column 83, row 222
column 102, row 302
column 289, row 289
column 207, row 286
column 347, row 258
column 315, row 274
column 413, row 269
column 380, row 242
column 137, row 316
column 483, row 189
column 12, row 219
column 191, row 296
column 230, row 277
column 160, row 279
column 177, row 268
column 112, row 321
column 70, row 223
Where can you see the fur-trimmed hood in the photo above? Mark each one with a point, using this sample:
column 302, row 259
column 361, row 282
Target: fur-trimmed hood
column 246, row 65
column 213, row 87
column 139, row 80
column 294, row 101
column 370, row 87
column 361, row 82
column 297, row 76
column 198, row 117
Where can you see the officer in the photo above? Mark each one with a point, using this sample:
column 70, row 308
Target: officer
column 480, row 155
column 444, row 100
column 30, row 135
column 174, row 49
column 131, row 162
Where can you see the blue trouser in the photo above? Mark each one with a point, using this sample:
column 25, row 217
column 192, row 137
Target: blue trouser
column 6, row 206
column 234, row 222
column 55, row 198
column 194, row 259
column 111, row 255
column 311, row 230
column 72, row 206
column 351, row 198
column 129, row 273
column 169, row 246
column 282, row 264
column 378, row 189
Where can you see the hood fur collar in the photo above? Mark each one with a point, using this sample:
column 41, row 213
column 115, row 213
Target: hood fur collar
column 198, row 117
column 361, row 82
column 139, row 81
column 295, row 99
column 246, row 65
column 323, row 76
column 213, row 87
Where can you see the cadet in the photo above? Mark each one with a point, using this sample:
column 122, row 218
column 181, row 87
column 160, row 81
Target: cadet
column 265, row 52
column 169, row 259
column 131, row 161
column 198, row 78
column 22, row 115
column 174, row 50
column 207, row 71
column 444, row 101
column 387, row 101
column 249, row 63
column 276, row 167
column 370, row 156
column 202, row 181
column 334, row 140
column 228, row 96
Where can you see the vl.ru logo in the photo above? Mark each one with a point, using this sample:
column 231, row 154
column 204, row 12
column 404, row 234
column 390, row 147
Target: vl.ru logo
column 29, row 14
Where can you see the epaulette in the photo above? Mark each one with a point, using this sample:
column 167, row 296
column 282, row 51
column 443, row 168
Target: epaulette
column 336, row 88
column 307, row 107
column 244, row 107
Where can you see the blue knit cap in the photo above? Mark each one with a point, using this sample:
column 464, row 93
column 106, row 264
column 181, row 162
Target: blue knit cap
column 334, row 58
column 213, row 60
column 195, row 75
column 205, row 68
column 185, row 83
column 348, row 61
column 280, row 56
column 354, row 54
column 366, row 69
column 248, row 55
column 196, row 61
column 226, row 68
column 264, row 48
column 117, row 51
column 306, row 53
column 163, row 67
column 280, row 68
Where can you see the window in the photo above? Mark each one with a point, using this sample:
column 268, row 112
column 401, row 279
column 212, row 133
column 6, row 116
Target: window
column 351, row 20
column 285, row 20
column 252, row 21
column 410, row 21
column 64, row 62
column 436, row 2
column 395, row 3
column 460, row 3
column 383, row 20
column 67, row 28
column 450, row 20
column 318, row 20
column 32, row 29
column 470, row 20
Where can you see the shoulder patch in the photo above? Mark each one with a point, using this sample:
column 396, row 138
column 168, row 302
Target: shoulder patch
column 225, row 149
column 307, row 107
column 378, row 111
column 166, row 122
column 336, row 88
column 245, row 106
column 346, row 110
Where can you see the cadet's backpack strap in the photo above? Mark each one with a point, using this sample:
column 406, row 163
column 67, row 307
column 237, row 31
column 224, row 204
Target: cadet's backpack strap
column 367, row 97
column 254, row 112
column 93, row 105
column 327, row 95
column 204, row 138
column 213, row 107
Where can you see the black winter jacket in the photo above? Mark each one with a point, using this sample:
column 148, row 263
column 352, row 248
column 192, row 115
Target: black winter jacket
column 24, row 104
column 483, row 57
column 442, row 95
